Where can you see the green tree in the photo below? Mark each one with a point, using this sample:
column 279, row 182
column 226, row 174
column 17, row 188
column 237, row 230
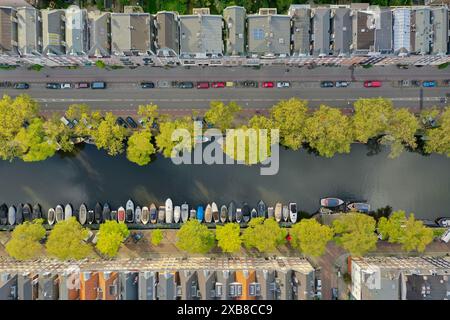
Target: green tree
column 110, row 237
column 229, row 237
column 264, row 234
column 193, row 237
column 157, row 237
column 33, row 142
column 149, row 112
column 371, row 118
column 109, row 135
column 100, row 64
column 164, row 139
column 402, row 128
column 24, row 243
column 328, row 131
column 66, row 241
column 140, row 149
column 310, row 237
column 355, row 233
column 290, row 116
column 438, row 139
column 59, row 134
column 409, row 232
column 222, row 115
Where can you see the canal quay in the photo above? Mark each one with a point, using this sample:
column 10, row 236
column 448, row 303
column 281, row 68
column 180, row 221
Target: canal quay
column 412, row 182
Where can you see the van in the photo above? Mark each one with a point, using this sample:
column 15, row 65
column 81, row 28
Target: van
column 98, row 85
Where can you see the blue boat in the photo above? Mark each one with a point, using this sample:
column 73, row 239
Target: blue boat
column 200, row 213
column 331, row 202
column 359, row 206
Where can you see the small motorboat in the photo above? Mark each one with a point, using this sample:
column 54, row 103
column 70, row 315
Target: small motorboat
column 232, row 211
column 12, row 215
column 200, row 213
column 169, row 211
column 19, row 215
column 254, row 213
column 98, row 212
column 215, row 212
column 162, row 214
column 106, row 214
column 238, row 215
column 331, row 202
column 153, row 213
column 261, row 207
column 90, row 216
column 184, row 212
column 68, row 211
column 138, row 215
column 285, row 213
column 145, row 217
column 26, row 212
column 443, row 222
column 192, row 214
column 270, row 212
column 59, row 213
column 176, row 214
column 245, row 212
column 121, row 215
column 82, row 214
column 3, row 214
column 114, row 215
column 278, row 212
column 51, row 216
column 208, row 214
column 223, row 213
column 129, row 211
column 359, row 206
column 293, row 212
column 37, row 212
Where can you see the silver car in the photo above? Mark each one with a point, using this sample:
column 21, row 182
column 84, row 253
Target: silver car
column 342, row 84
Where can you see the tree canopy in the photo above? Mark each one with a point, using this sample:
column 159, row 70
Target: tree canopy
column 229, row 237
column 157, row 237
column 403, row 126
column 371, row 118
column 139, row 148
column 310, row 237
column 110, row 237
column 164, row 139
column 66, row 241
column 264, row 234
column 438, row 139
column 24, row 243
column 222, row 115
column 193, row 237
column 149, row 113
column 109, row 135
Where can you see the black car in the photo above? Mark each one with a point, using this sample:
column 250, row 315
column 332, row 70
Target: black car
column 21, row 85
column 53, row 85
column 186, row 85
column 131, row 122
column 327, row 84
column 250, row 84
column 121, row 122
column 147, row 85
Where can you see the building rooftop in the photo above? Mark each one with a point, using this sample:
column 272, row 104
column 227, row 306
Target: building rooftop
column 342, row 31
column 76, row 31
column 29, row 31
column 321, row 31
column 53, row 31
column 168, row 30
column 235, row 25
column 99, row 33
column 440, row 30
column 8, row 30
column 130, row 32
column 301, row 29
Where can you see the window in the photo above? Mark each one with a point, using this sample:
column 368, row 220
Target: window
column 112, row 290
column 218, row 289
column 254, row 289
column 239, row 289
column 258, row 34
column 193, row 291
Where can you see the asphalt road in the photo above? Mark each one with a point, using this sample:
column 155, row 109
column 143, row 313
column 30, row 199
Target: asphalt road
column 124, row 93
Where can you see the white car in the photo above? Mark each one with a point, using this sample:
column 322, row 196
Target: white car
column 66, row 86
column 283, row 84
column 342, row 84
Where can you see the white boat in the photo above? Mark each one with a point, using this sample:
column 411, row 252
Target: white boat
column 12, row 215
column 82, row 214
column 184, row 212
column 68, row 211
column 51, row 216
column 278, row 213
column 138, row 214
column 285, row 213
column 145, row 217
column 270, row 212
column 293, row 212
column 238, row 215
column 169, row 211
column 59, row 213
column 177, row 214
column 331, row 202
column 215, row 212
column 208, row 214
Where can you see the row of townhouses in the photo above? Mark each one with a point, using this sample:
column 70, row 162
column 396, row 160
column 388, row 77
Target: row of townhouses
column 160, row 279
column 305, row 30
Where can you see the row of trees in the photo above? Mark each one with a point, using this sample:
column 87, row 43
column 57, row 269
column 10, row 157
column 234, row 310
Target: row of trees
column 354, row 232
column 26, row 135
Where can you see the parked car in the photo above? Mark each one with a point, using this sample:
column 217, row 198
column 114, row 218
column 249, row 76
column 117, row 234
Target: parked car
column 327, row 84
column 203, row 85
column 82, row 85
column 131, row 122
column 267, row 84
column 283, row 84
column 121, row 122
column 416, row 83
column 186, row 85
column 98, row 85
column 218, row 84
column 21, row 85
column 342, row 84
column 53, row 85
column 230, row 84
column 147, row 85
column 6, row 84
column 429, row 84
column 66, row 85
column 372, row 84
column 250, row 84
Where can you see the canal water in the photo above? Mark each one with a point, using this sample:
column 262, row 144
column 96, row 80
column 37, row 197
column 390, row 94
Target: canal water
column 412, row 182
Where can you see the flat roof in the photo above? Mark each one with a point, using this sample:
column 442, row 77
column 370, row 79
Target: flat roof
column 130, row 32
column 268, row 34
column 8, row 31
column 29, row 30
column 301, row 33
column 168, row 32
column 235, row 24
column 201, row 34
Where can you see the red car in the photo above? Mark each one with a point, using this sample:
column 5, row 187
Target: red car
column 202, row 85
column 372, row 84
column 218, row 84
column 268, row 84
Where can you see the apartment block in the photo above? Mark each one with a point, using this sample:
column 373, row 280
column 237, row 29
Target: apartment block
column 8, row 31
column 29, row 31
column 130, row 33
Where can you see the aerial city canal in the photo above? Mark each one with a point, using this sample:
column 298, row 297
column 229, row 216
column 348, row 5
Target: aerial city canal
column 411, row 182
